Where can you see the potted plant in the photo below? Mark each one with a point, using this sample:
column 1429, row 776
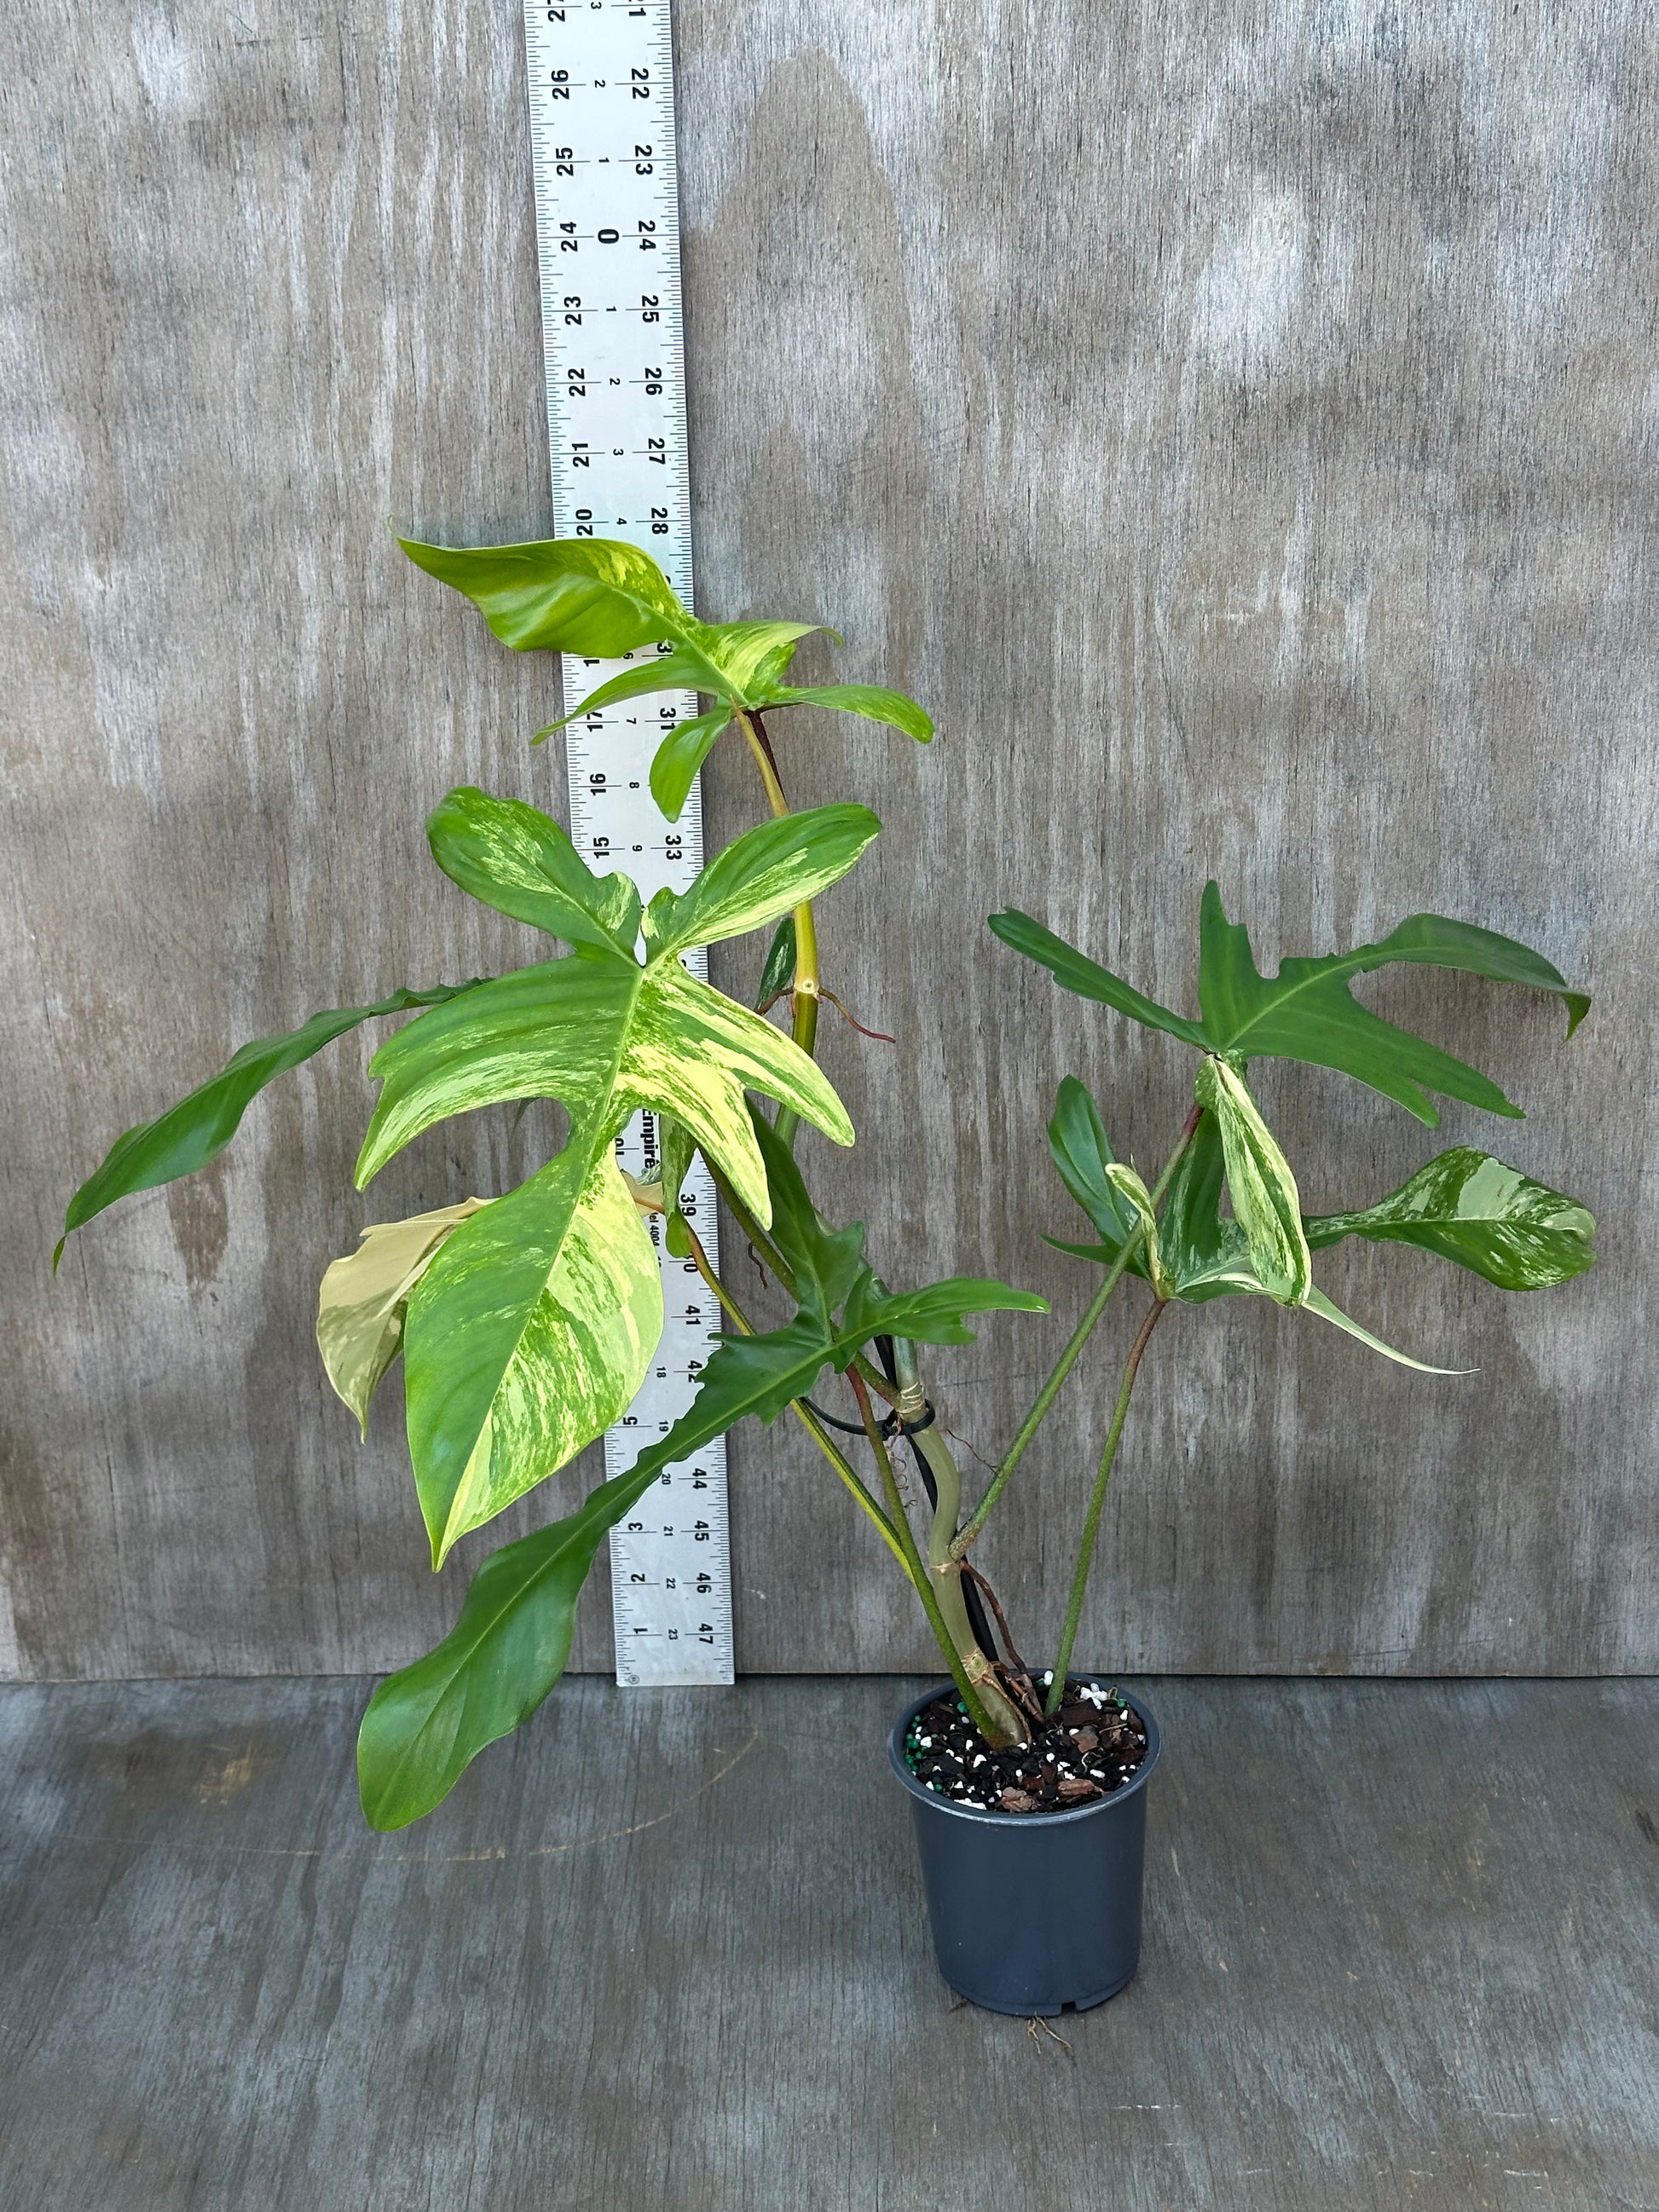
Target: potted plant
column 527, row 1322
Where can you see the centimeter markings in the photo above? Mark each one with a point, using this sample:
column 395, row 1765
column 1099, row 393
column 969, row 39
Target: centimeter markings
column 601, row 75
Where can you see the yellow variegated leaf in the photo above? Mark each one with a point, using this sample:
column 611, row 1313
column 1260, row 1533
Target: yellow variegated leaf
column 695, row 1052
column 528, row 1336
column 360, row 1307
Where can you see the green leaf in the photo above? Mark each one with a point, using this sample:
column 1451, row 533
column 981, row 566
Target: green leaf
column 934, row 1314
column 1307, row 1011
column 1083, row 1154
column 1261, row 1185
column 771, row 869
column 675, row 1150
column 597, row 598
column 519, row 861
column 606, row 1038
column 681, row 754
column 826, row 1262
column 364, row 1296
column 872, row 700
column 728, row 659
column 1191, row 1229
column 779, row 969
column 192, row 1132
column 528, row 1336
column 1076, row 972
column 1471, row 1208
column 426, row 1723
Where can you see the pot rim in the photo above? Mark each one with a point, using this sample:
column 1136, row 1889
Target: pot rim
column 937, row 1803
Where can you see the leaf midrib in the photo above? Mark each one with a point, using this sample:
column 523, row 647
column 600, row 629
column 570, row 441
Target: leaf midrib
column 1341, row 964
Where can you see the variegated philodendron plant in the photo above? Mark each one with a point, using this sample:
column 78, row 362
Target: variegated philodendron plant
column 527, row 1322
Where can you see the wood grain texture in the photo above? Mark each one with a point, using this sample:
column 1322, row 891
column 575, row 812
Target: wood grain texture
column 1229, row 420
column 1398, row 1949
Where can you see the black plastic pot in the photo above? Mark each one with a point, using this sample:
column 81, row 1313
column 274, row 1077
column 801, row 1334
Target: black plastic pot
column 1032, row 1912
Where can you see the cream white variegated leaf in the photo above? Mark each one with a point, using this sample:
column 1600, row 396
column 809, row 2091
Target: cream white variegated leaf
column 1266, row 1203
column 1134, row 1193
column 360, row 1307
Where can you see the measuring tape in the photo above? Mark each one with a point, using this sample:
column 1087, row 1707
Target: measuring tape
column 608, row 243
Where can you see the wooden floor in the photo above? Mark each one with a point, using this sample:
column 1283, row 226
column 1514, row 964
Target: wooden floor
column 1402, row 1951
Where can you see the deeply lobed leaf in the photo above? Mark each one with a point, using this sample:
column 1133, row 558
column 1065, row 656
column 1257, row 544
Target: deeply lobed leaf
column 1307, row 1011
column 531, row 1330
column 601, row 598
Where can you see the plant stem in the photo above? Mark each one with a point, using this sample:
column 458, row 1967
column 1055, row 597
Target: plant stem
column 813, row 1427
column 1068, row 1359
column 804, row 1021
column 971, row 1692
column 764, row 1247
column 944, row 1572
column 1091, row 1525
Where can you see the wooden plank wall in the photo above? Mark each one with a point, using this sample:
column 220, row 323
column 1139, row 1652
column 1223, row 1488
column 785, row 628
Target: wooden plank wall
column 1234, row 419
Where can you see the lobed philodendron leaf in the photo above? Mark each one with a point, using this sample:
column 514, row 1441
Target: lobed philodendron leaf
column 600, row 599
column 425, row 1724
column 363, row 1299
column 1263, row 1190
column 192, row 1132
column 1471, row 1208
column 531, row 1330
column 1307, row 1011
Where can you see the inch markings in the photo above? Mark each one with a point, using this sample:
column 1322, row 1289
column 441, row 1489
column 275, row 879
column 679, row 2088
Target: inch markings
column 601, row 81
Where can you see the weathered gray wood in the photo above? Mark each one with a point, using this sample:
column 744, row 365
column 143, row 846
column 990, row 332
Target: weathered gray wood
column 1229, row 421
column 1399, row 1951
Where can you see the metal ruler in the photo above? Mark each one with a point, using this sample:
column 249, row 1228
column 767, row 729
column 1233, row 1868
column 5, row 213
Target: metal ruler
column 601, row 77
